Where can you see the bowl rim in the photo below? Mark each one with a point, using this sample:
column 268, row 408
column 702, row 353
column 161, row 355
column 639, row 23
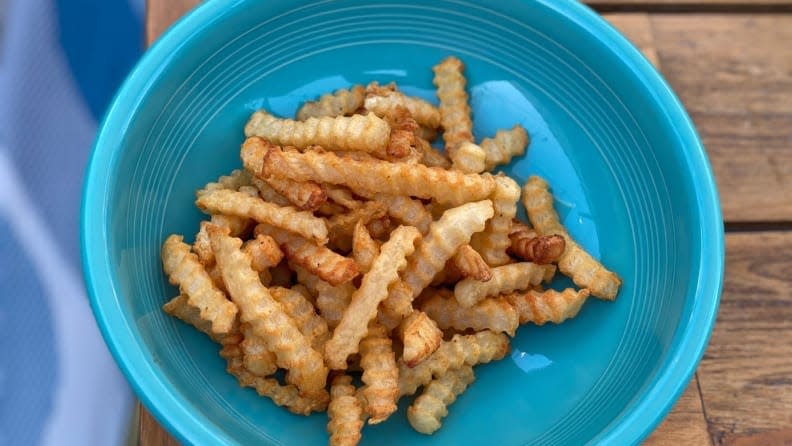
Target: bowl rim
column 639, row 418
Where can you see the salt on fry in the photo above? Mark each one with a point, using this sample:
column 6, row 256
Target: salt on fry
column 493, row 313
column 575, row 262
column 185, row 270
column 505, row 279
column 493, row 242
column 266, row 316
column 540, row 307
column 383, row 101
column 471, row 265
column 427, row 411
column 179, row 308
column 504, row 146
column 320, row 260
column 380, row 374
column 454, row 108
column 340, row 103
column 373, row 290
column 264, row 252
column 364, row 248
column 420, row 336
column 306, row 195
column 365, row 133
column 302, row 311
column 242, row 205
column 345, row 413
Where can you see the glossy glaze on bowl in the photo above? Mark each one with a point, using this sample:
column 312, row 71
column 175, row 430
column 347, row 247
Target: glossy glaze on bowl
column 631, row 181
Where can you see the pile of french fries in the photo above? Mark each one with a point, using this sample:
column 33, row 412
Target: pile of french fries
column 349, row 247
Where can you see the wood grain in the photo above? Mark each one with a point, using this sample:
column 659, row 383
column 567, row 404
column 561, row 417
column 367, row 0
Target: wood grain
column 685, row 425
column 151, row 433
column 160, row 14
column 746, row 373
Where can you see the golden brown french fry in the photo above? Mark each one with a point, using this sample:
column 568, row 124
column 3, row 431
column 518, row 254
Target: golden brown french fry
column 185, row 270
column 404, row 209
column 454, row 108
column 575, row 262
column 383, row 102
column 358, row 132
column 320, row 260
column 471, row 265
column 373, row 290
column 301, row 310
column 402, row 137
column 237, row 203
column 331, row 300
column 380, row 228
column 340, row 227
column 443, row 239
column 427, row 411
column 415, row 180
column 264, row 251
column 431, row 156
column 345, row 413
column 540, row 249
column 343, row 196
column 380, row 374
column 340, row 103
column 266, row 316
column 478, row 348
column 179, row 308
column 468, row 157
column 268, row 194
column 364, row 248
column 505, row 279
column 256, row 356
column 306, row 195
column 493, row 313
column 540, row 307
column 420, row 337
column 493, row 242
column 232, row 181
column 504, row 146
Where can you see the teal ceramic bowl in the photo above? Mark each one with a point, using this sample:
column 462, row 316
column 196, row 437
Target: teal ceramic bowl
column 630, row 176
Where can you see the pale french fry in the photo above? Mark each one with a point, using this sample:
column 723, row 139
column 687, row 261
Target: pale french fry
column 431, row 156
column 179, row 308
column 373, row 290
column 266, row 317
column 185, row 270
column 454, row 108
column 494, row 313
column 478, row 348
column 256, row 356
column 345, row 413
column 420, row 336
column 343, row 196
column 471, row 265
column 364, row 248
column 504, row 146
column 331, row 300
column 493, row 242
column 287, row 396
column 358, row 132
column 232, row 181
column 340, row 103
column 416, row 180
column 380, row 374
column 540, row 307
column 427, row 411
column 320, row 260
column 404, row 209
column 269, row 194
column 242, row 205
column 443, row 239
column 575, row 262
column 383, row 101
column 301, row 310
column 468, row 157
column 305, row 292
column 340, row 227
column 264, row 252
column 306, row 195
column 505, row 279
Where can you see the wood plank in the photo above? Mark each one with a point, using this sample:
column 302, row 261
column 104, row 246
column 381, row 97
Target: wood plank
column 151, row 433
column 746, row 373
column 160, row 14
column 698, row 3
column 638, row 29
column 685, row 425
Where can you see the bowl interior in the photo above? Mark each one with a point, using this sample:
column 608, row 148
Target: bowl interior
column 621, row 174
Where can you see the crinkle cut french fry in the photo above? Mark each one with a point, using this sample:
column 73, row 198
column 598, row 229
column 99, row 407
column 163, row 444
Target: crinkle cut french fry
column 427, row 411
column 404, row 209
column 431, row 157
column 575, row 262
column 345, row 413
column 540, row 249
column 380, row 228
column 415, row 180
column 402, row 136
column 340, row 227
column 443, row 239
column 242, row 205
column 454, row 108
column 306, row 195
column 493, row 242
column 343, row 196
column 301, row 310
column 236, row 179
column 185, row 270
column 331, row 300
column 264, row 251
column 320, row 260
column 504, row 146
column 478, row 348
column 494, row 313
column 364, row 248
column 382, row 101
column 540, row 307
column 342, row 102
column 266, row 317
column 469, row 158
column 420, row 336
column 256, row 356
column 373, row 290
column 471, row 265
column 365, row 133
column 287, row 396
column 179, row 308
column 268, row 193
column 380, row 374
column 505, row 279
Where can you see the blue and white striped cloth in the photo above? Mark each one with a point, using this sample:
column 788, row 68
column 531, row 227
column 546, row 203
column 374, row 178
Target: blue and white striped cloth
column 60, row 64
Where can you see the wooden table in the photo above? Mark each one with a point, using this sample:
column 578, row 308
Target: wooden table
column 730, row 61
